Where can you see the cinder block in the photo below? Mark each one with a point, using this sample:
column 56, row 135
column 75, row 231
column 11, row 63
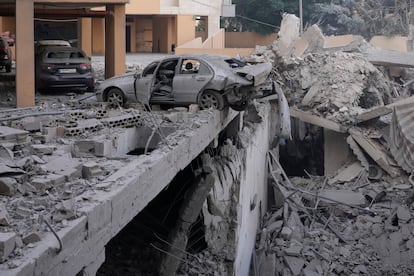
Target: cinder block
column 103, row 148
column 7, row 244
column 43, row 149
column 90, row 170
column 8, row 186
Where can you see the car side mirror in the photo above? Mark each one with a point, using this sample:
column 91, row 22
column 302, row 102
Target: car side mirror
column 137, row 75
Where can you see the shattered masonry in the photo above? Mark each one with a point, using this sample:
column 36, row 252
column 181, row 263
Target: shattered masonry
column 357, row 221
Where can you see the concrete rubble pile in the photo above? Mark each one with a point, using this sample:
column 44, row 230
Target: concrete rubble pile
column 357, row 218
column 49, row 158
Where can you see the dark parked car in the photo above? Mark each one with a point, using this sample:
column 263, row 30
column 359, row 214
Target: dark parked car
column 63, row 68
column 5, row 55
column 211, row 81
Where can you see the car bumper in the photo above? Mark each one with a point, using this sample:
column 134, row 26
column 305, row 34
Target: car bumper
column 65, row 81
column 5, row 62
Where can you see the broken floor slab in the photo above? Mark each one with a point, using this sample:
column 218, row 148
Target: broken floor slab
column 132, row 183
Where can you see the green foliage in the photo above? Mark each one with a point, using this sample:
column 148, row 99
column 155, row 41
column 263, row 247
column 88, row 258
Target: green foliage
column 259, row 15
column 366, row 18
column 335, row 17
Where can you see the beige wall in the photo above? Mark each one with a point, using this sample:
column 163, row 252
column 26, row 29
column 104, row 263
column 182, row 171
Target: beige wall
column 164, row 34
column 216, row 41
column 143, row 7
column 85, row 34
column 233, row 52
column 133, row 38
column 213, row 45
column 395, row 43
column 98, row 36
column 185, row 28
column 144, row 38
column 248, row 39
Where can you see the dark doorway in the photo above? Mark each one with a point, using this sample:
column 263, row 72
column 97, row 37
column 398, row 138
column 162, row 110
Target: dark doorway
column 128, row 39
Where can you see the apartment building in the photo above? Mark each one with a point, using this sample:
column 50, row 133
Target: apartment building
column 159, row 26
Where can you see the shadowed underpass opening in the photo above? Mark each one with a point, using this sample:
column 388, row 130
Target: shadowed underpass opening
column 139, row 248
column 304, row 154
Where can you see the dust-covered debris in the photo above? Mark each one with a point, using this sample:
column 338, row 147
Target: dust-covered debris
column 323, row 233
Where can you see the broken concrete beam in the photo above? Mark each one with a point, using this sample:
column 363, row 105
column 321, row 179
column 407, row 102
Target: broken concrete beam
column 356, row 149
column 7, row 244
column 12, row 134
column 343, row 196
column 347, row 173
column 8, row 186
column 382, row 110
column 379, row 56
column 374, row 150
column 316, row 120
column 6, row 170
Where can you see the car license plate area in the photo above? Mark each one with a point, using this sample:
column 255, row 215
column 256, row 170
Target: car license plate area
column 67, row 70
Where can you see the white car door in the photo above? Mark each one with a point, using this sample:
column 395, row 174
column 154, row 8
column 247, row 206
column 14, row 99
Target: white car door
column 144, row 82
column 189, row 82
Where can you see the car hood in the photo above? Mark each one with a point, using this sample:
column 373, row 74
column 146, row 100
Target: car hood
column 257, row 73
column 119, row 79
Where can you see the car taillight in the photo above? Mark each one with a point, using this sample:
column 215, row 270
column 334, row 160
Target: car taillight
column 48, row 67
column 85, row 66
column 3, row 50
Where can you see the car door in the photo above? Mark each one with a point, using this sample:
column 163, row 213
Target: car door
column 143, row 83
column 188, row 83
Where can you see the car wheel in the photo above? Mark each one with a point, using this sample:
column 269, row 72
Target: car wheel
column 211, row 99
column 239, row 106
column 8, row 68
column 115, row 98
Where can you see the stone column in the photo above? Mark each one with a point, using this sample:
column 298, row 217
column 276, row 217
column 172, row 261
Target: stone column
column 115, row 40
column 85, row 35
column 25, row 72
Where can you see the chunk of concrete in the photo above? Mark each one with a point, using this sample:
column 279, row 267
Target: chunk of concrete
column 66, row 166
column 7, row 244
column 403, row 213
column 31, row 238
column 4, row 215
column 348, row 173
column 44, row 182
column 295, row 264
column 8, row 186
column 344, row 196
column 286, row 233
column 293, row 250
column 91, row 169
column 275, row 226
column 43, row 149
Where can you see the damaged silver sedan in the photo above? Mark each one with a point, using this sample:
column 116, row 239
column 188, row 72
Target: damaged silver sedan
column 211, row 81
